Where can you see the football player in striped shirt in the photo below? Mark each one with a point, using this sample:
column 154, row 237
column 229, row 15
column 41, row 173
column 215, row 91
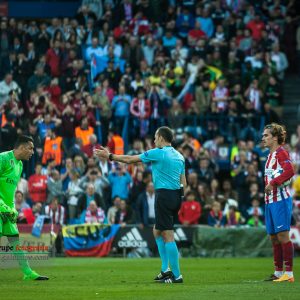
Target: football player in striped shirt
column 278, row 208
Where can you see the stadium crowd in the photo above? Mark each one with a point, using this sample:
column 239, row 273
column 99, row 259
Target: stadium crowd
column 211, row 70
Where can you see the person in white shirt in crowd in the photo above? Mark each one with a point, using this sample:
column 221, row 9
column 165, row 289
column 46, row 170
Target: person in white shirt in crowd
column 220, row 95
column 280, row 60
column 7, row 85
column 94, row 214
column 254, row 95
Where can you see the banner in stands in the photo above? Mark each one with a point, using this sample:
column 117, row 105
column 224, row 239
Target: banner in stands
column 88, row 239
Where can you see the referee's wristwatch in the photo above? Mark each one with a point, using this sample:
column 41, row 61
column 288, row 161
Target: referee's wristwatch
column 110, row 156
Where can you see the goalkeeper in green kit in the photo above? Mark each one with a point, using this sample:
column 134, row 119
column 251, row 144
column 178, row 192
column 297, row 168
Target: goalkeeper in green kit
column 11, row 167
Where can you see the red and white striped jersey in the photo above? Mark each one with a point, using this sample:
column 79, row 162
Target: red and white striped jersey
column 278, row 160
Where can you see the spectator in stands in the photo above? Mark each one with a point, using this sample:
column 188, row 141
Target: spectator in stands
column 23, row 187
column 255, row 210
column 54, row 57
column 295, row 138
column 111, row 213
column 190, row 210
column 145, row 212
column 37, row 185
column 124, row 215
column 73, row 193
column 205, row 172
column 66, row 172
column 140, row 108
column 215, row 217
column 115, row 142
column 94, row 214
column 8, row 133
column 55, row 211
column 220, row 96
column 273, row 95
column 175, row 115
column 206, row 22
column 23, row 209
column 254, row 95
column 233, row 217
column 102, row 102
column 52, row 147
column 46, row 123
column 121, row 107
column 54, row 187
column 88, row 149
column 7, row 85
column 280, row 60
column 120, row 180
column 84, row 131
column 86, row 198
column 39, row 78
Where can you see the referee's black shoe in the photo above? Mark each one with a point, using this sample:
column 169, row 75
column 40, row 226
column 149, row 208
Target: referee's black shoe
column 162, row 275
column 172, row 279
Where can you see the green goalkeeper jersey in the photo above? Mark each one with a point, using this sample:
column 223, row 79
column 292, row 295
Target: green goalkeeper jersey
column 10, row 174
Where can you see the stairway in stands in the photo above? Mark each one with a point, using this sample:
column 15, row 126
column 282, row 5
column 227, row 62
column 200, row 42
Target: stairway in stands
column 291, row 103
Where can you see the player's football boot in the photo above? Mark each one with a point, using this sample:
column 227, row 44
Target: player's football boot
column 272, row 277
column 163, row 275
column 172, row 279
column 285, row 277
column 35, row 276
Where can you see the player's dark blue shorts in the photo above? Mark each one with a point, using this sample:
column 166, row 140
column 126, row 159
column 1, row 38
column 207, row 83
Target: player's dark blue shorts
column 278, row 216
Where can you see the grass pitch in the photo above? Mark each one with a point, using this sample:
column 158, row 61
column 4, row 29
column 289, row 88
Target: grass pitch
column 114, row 278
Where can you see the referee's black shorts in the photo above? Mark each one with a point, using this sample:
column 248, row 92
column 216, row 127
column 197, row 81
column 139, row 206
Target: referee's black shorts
column 167, row 205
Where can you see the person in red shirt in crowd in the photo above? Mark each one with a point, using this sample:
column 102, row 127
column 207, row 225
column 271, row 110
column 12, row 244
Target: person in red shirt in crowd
column 53, row 59
column 140, row 108
column 54, row 91
column 256, row 26
column 196, row 34
column 190, row 210
column 89, row 148
column 37, row 185
column 87, row 112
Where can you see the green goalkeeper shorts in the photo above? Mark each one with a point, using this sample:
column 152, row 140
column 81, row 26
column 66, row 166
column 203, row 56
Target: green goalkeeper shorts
column 7, row 228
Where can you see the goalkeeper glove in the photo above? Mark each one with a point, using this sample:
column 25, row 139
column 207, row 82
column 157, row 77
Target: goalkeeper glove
column 8, row 213
column 13, row 216
column 3, row 217
column 4, row 208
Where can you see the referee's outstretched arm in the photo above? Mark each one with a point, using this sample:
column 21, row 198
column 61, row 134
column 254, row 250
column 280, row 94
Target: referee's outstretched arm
column 127, row 159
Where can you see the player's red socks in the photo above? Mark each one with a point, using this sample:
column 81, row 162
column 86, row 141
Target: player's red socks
column 278, row 257
column 288, row 253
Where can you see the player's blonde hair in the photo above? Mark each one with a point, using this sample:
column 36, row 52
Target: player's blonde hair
column 277, row 130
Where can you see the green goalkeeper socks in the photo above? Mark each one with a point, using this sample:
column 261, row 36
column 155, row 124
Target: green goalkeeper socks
column 22, row 260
